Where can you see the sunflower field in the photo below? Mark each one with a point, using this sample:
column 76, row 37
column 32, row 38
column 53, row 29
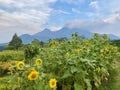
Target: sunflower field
column 76, row 64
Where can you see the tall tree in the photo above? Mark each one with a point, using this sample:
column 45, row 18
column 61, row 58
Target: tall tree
column 15, row 43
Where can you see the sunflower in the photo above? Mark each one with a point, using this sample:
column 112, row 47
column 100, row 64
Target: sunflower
column 33, row 75
column 38, row 62
column 52, row 83
column 20, row 65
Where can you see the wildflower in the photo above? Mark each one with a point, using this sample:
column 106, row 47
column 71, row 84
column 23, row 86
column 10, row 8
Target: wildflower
column 67, row 54
column 98, row 69
column 33, row 75
column 38, row 61
column 52, row 83
column 20, row 65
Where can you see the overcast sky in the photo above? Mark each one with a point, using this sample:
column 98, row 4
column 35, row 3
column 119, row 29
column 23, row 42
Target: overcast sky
column 32, row 16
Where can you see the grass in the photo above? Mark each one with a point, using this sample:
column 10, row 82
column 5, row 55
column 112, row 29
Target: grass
column 114, row 80
column 11, row 55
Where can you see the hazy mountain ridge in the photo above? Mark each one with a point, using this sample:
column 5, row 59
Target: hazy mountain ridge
column 47, row 34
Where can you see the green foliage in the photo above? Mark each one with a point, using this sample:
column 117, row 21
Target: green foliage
column 79, row 61
column 11, row 55
column 116, row 42
column 4, row 68
column 36, row 42
column 77, row 64
column 30, row 52
column 4, row 83
column 15, row 43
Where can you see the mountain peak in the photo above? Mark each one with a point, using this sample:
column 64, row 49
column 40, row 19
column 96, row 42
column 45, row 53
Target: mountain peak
column 46, row 30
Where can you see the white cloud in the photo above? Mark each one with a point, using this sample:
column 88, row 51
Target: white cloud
column 73, row 1
column 23, row 16
column 76, row 10
column 55, row 28
column 63, row 12
column 113, row 18
column 98, row 25
column 94, row 4
column 28, row 15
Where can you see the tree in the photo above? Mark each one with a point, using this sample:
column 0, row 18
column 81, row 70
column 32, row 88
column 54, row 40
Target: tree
column 15, row 43
column 36, row 41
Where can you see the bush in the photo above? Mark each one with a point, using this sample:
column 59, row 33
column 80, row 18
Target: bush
column 11, row 55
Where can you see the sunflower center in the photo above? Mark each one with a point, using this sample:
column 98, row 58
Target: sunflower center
column 39, row 62
column 53, row 83
column 33, row 76
column 21, row 65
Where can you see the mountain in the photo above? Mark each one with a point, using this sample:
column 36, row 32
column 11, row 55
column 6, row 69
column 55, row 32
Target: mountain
column 113, row 37
column 26, row 38
column 47, row 34
column 3, row 46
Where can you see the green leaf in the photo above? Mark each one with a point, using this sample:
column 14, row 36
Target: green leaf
column 66, row 74
column 40, row 86
column 66, row 87
column 96, row 84
column 78, row 86
column 73, row 69
column 87, row 81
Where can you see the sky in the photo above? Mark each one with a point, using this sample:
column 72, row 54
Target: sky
column 32, row 16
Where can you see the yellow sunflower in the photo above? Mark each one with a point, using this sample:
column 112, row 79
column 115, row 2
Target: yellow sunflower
column 33, row 75
column 38, row 62
column 20, row 65
column 53, row 83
